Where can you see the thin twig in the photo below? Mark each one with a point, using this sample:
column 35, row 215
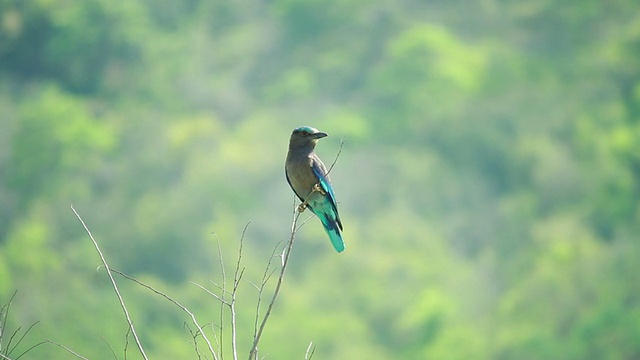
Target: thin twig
column 4, row 315
column 311, row 349
column 221, row 298
column 126, row 343
column 195, row 340
column 11, row 349
column 285, row 260
column 113, row 352
column 304, row 222
column 223, row 301
column 337, row 156
column 66, row 349
column 236, row 282
column 29, row 349
column 16, row 332
column 113, row 283
column 182, row 307
column 266, row 276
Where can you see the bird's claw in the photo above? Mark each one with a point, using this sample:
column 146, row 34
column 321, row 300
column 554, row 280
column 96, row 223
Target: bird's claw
column 317, row 188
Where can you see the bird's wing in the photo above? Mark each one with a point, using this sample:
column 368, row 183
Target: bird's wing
column 286, row 173
column 321, row 174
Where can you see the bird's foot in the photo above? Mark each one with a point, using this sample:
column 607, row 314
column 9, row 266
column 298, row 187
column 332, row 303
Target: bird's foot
column 317, row 188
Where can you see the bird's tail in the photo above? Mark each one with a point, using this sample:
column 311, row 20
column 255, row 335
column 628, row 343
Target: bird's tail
column 332, row 229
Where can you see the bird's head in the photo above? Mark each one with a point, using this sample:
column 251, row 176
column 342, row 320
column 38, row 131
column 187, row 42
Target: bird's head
column 306, row 136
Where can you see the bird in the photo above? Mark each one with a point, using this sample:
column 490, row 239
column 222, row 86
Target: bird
column 309, row 180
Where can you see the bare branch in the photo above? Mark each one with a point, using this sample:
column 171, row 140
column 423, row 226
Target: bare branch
column 126, row 342
column 265, row 278
column 193, row 317
column 29, row 349
column 66, row 349
column 236, row 282
column 11, row 349
column 311, row 349
column 337, row 156
column 113, row 284
column 222, row 298
column 194, row 336
column 285, row 260
column 4, row 315
column 223, row 301
column 110, row 348
column 304, row 222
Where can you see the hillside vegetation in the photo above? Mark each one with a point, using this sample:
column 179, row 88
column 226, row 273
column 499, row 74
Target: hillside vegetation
column 489, row 181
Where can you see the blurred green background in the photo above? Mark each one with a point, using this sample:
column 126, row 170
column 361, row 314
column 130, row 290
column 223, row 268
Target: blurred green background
column 488, row 183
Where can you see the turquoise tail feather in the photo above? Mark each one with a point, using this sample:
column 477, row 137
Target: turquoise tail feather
column 331, row 227
column 336, row 239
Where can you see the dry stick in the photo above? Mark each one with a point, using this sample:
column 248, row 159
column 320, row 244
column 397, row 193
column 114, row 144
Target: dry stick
column 222, row 300
column 195, row 340
column 110, row 348
column 66, row 349
column 265, row 278
column 10, row 350
column 254, row 349
column 337, row 156
column 236, row 282
column 193, row 317
column 4, row 315
column 126, row 343
column 113, row 283
column 213, row 326
column 231, row 304
column 311, row 349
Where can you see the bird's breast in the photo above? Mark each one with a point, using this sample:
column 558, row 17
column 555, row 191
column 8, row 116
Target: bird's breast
column 301, row 176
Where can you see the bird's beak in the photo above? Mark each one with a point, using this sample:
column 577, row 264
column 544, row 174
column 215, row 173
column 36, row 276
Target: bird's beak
column 320, row 135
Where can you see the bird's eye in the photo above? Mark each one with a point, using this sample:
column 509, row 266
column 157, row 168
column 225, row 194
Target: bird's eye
column 304, row 133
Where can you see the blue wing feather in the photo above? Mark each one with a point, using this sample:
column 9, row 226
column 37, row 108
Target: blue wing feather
column 321, row 174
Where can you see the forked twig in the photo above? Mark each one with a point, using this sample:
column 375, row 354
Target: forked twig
column 11, row 349
column 221, row 298
column 113, row 284
column 236, row 282
column 231, row 303
column 265, row 278
column 182, row 307
column 4, row 315
column 194, row 336
column 285, row 260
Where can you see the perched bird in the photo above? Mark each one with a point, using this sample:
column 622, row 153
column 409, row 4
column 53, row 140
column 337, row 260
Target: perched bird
column 308, row 178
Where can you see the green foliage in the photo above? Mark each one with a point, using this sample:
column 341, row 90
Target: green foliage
column 489, row 182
